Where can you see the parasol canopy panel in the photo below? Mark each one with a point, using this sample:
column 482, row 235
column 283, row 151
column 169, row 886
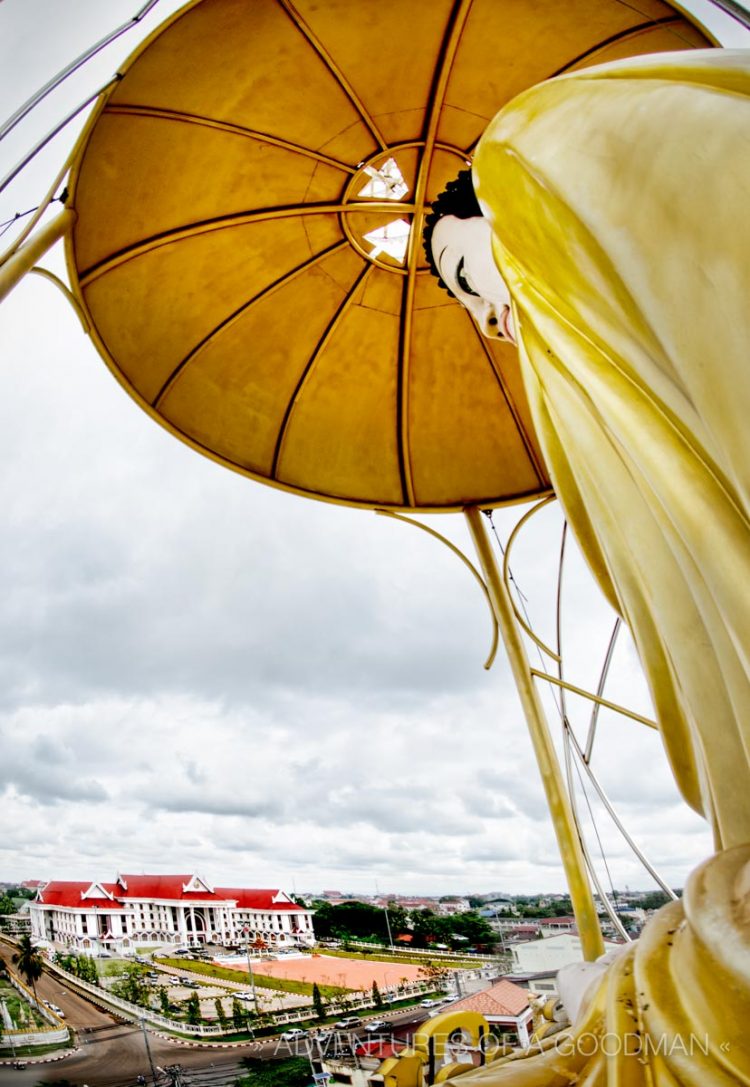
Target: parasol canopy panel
column 250, row 197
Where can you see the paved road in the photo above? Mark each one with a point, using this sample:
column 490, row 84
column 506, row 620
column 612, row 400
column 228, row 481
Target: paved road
column 113, row 1053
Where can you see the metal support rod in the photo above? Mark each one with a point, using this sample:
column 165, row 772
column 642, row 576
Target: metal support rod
column 568, row 841
column 24, row 259
column 594, row 698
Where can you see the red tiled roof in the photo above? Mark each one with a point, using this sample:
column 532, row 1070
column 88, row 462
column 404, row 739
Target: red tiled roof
column 256, row 899
column 503, row 999
column 69, row 894
column 161, row 887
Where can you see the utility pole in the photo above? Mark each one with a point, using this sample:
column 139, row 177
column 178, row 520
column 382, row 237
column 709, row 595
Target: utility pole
column 148, row 1050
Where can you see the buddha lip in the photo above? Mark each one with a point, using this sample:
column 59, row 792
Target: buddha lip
column 505, row 320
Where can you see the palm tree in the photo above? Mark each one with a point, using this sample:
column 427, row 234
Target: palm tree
column 29, row 962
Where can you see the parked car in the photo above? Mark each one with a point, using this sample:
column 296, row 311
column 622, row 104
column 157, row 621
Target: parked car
column 244, row 996
column 430, row 1003
column 450, row 999
column 376, row 1025
column 293, row 1034
column 348, row 1023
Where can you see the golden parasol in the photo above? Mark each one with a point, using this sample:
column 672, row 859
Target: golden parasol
column 249, row 199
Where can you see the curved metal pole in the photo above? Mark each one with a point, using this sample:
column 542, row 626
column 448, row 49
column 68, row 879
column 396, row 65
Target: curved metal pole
column 52, row 278
column 22, row 261
column 506, row 572
column 470, row 565
column 74, row 65
column 600, row 688
column 558, row 801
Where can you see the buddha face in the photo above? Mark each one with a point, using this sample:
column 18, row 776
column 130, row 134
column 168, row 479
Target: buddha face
column 462, row 249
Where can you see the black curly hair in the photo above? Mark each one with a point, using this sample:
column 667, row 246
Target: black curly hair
column 457, row 198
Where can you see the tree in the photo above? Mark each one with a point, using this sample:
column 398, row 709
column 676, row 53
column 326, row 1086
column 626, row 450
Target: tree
column 29, row 961
column 7, row 905
column 239, row 1015
column 132, row 987
column 193, row 1009
column 164, row 1001
column 376, row 997
column 318, row 1002
column 222, row 1015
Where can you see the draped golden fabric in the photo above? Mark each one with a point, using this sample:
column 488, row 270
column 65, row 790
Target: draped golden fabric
column 619, row 202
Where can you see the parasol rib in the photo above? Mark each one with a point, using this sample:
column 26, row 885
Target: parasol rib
column 221, row 222
column 309, row 366
column 622, row 35
column 531, row 453
column 446, row 57
column 335, row 71
column 288, row 277
column 234, row 130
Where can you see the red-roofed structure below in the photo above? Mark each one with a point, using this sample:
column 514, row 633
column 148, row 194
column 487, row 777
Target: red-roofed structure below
column 183, row 910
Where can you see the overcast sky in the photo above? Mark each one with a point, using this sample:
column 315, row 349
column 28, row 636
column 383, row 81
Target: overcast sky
column 201, row 674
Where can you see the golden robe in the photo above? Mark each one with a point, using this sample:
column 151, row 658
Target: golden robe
column 619, row 198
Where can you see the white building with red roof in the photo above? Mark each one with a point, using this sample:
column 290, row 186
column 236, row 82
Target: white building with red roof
column 161, row 909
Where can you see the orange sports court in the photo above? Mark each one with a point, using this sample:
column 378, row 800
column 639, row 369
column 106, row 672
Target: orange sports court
column 346, row 973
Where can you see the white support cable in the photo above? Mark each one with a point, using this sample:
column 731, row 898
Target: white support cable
column 566, row 735
column 42, row 143
column 603, row 896
column 619, row 824
column 570, row 736
column 69, row 69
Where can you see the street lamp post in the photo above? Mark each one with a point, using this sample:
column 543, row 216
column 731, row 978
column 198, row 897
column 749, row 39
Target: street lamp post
column 388, row 926
column 250, row 972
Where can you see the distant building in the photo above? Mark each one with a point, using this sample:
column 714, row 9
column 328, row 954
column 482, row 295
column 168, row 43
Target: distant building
column 158, row 909
column 547, row 955
column 552, row 925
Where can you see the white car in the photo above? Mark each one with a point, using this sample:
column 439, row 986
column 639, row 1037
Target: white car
column 349, row 1023
column 293, row 1035
column 375, row 1026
